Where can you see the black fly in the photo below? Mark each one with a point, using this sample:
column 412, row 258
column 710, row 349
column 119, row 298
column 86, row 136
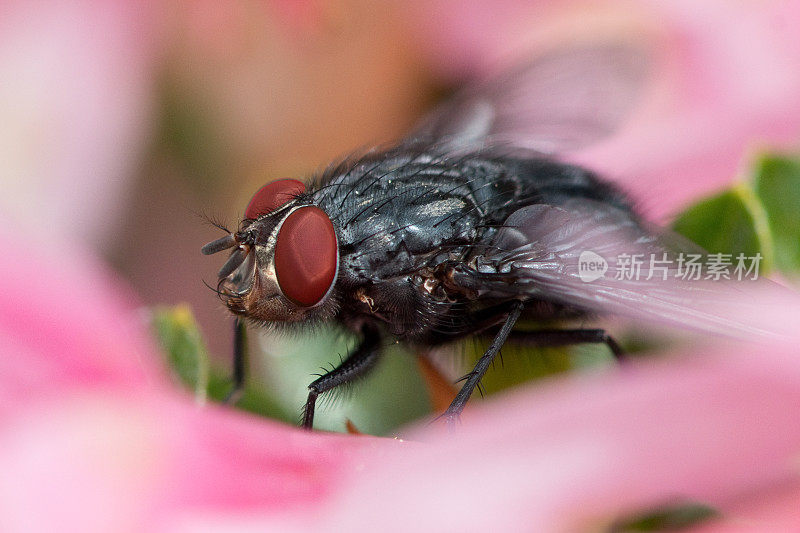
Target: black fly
column 459, row 230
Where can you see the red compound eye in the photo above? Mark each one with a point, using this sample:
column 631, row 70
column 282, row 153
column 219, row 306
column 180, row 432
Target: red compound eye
column 306, row 256
column 273, row 195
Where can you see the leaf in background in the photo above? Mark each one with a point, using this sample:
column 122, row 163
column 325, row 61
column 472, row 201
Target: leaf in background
column 187, row 356
column 184, row 349
column 669, row 517
column 759, row 215
column 391, row 395
column 777, row 186
column 519, row 363
column 722, row 224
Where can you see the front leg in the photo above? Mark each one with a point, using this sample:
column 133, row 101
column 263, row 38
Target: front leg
column 358, row 363
column 239, row 361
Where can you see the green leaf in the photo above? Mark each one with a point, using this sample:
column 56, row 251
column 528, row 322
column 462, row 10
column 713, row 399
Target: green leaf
column 724, row 223
column 187, row 356
column 185, row 352
column 517, row 364
column 669, row 517
column 760, row 215
column 391, row 395
column 255, row 398
column 777, row 186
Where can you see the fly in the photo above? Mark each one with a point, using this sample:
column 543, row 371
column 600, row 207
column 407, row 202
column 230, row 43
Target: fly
column 461, row 229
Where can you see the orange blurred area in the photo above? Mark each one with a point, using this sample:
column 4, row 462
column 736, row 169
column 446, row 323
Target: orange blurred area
column 247, row 93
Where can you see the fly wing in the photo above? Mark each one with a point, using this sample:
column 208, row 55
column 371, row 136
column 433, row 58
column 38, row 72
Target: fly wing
column 595, row 257
column 563, row 100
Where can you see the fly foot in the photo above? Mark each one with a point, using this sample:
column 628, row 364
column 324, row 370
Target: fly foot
column 450, row 419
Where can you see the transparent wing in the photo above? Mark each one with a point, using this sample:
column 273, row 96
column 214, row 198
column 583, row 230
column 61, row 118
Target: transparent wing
column 563, row 100
column 596, row 257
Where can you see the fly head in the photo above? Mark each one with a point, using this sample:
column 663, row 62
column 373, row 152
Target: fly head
column 285, row 260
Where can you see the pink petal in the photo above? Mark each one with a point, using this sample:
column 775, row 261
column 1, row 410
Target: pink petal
column 586, row 450
column 726, row 86
column 725, row 80
column 112, row 462
column 67, row 323
column 112, row 448
column 94, row 436
column 75, row 108
column 769, row 510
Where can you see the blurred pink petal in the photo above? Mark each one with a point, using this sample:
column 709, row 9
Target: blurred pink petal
column 114, row 462
column 725, row 80
column 769, row 510
column 66, row 323
column 726, row 86
column 74, row 104
column 94, row 436
column 583, row 451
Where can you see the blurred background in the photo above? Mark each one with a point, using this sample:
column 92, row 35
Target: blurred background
column 121, row 122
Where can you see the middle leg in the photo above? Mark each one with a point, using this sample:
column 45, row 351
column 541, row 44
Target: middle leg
column 473, row 378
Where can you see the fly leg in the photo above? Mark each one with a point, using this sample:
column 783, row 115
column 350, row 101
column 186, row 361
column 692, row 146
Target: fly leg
column 239, row 361
column 566, row 337
column 359, row 362
column 473, row 378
